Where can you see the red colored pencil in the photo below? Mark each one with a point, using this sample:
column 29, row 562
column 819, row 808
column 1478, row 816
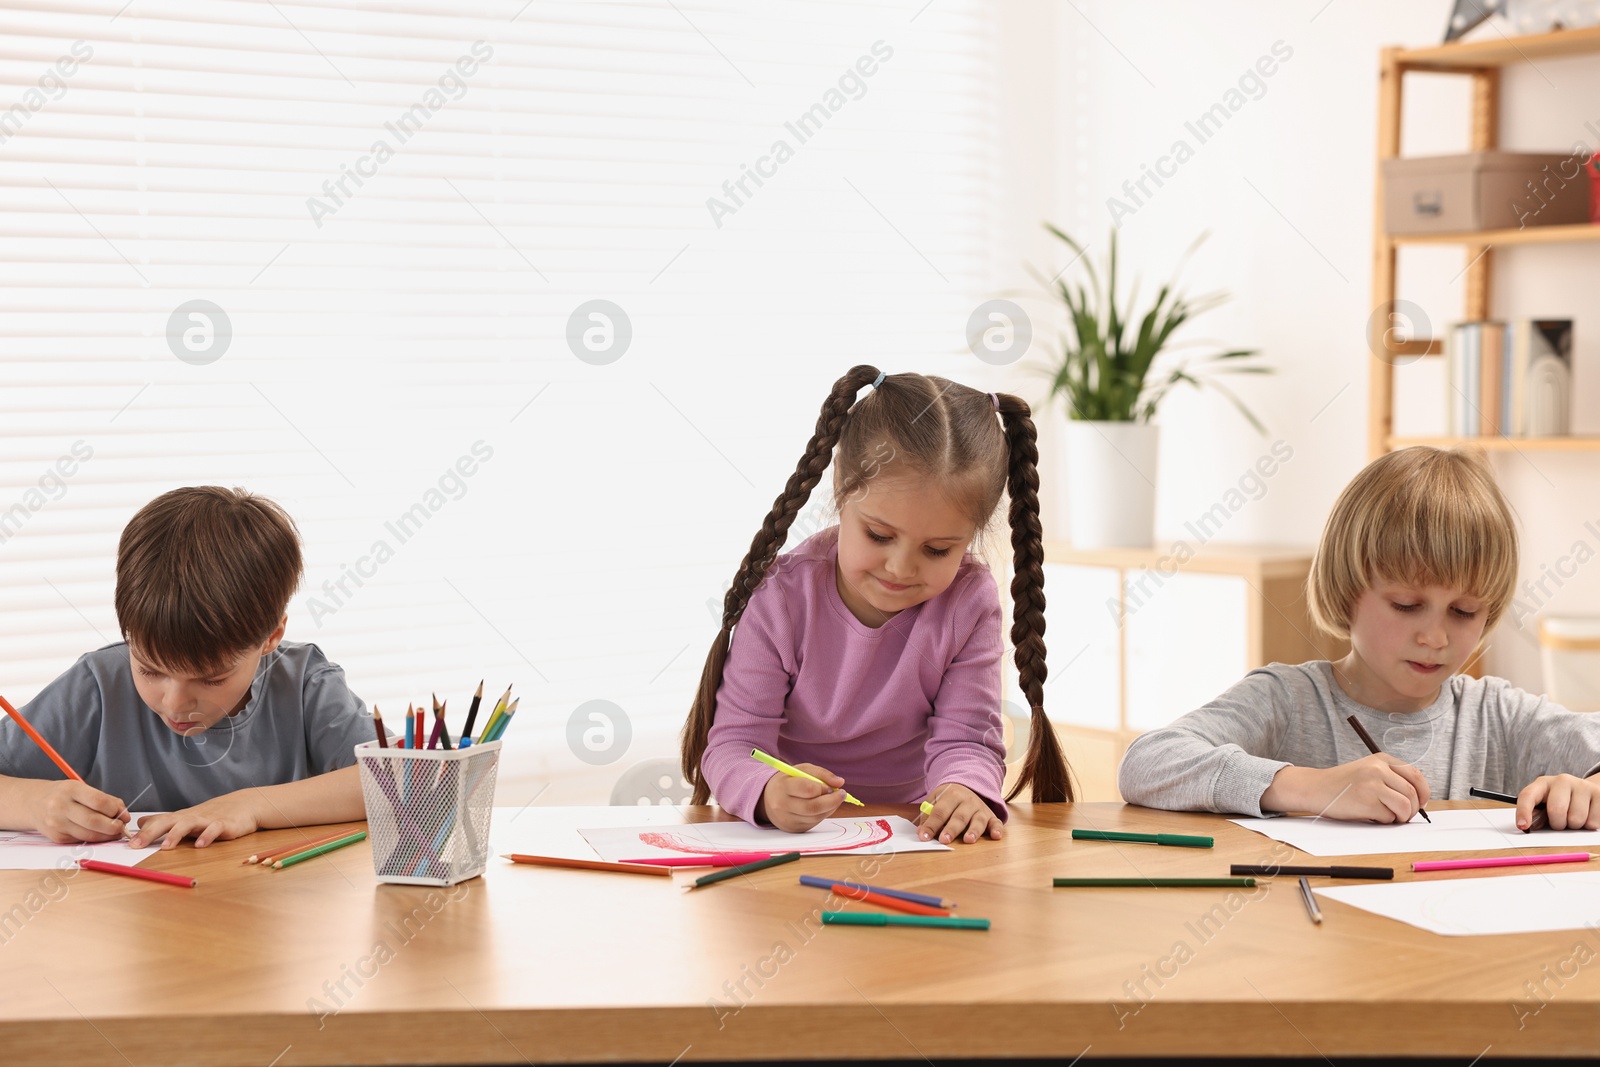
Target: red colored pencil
column 137, row 872
column 377, row 724
column 867, row 895
column 421, row 731
column 27, row 728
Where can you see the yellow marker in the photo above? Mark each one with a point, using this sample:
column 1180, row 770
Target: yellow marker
column 927, row 807
column 796, row 772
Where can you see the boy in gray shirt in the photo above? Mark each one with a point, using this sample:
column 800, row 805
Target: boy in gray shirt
column 204, row 712
column 1418, row 559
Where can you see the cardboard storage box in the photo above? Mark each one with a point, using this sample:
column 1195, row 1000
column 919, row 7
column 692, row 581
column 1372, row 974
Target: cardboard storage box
column 1483, row 191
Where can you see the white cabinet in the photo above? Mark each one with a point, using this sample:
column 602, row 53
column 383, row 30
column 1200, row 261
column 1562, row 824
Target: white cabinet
column 1137, row 637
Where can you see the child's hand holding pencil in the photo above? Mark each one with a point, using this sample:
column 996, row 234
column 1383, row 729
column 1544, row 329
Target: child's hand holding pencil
column 71, row 811
column 1378, row 788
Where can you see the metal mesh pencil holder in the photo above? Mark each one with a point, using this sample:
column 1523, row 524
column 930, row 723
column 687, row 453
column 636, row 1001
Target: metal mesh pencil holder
column 428, row 811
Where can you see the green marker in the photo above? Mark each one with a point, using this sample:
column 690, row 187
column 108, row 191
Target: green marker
column 1185, row 840
column 1158, row 883
column 743, row 868
column 866, row 918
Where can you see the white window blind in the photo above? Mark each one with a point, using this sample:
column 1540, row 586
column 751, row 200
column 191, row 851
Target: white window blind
column 397, row 212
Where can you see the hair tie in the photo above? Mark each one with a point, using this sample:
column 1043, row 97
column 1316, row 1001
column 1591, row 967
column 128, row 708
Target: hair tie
column 995, row 399
column 878, row 380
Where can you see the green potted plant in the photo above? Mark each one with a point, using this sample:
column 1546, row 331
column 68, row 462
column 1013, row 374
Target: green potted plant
column 1113, row 368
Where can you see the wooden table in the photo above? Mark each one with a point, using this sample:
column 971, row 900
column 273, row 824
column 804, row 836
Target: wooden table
column 320, row 964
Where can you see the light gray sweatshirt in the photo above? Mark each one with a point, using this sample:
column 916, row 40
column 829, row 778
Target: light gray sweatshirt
column 1481, row 732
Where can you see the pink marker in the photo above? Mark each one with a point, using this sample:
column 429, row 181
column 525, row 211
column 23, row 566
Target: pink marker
column 721, row 859
column 1503, row 861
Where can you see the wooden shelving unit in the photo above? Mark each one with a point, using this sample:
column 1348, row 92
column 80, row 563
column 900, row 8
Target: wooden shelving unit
column 1480, row 61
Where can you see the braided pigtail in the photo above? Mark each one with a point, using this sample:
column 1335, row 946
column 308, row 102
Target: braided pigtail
column 763, row 551
column 1045, row 768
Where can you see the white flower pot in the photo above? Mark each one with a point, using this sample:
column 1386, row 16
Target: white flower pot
column 1110, row 496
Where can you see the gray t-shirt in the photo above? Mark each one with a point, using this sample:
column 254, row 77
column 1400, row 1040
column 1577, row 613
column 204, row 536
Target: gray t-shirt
column 299, row 721
column 1481, row 732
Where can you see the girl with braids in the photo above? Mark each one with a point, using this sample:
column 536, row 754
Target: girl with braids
column 871, row 652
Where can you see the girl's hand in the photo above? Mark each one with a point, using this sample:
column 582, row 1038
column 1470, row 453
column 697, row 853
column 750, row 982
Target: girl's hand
column 1570, row 803
column 797, row 804
column 958, row 812
column 221, row 819
column 69, row 811
column 1375, row 788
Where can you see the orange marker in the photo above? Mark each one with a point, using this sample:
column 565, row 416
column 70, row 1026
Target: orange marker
column 867, row 895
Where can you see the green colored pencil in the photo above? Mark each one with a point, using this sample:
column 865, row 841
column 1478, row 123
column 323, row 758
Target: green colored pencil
column 743, row 868
column 869, row 918
column 290, row 861
column 1186, row 840
column 1098, row 883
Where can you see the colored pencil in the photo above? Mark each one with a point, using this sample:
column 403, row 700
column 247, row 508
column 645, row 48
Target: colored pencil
column 869, row 897
column 472, row 711
column 1541, row 815
column 1502, row 861
column 411, row 726
column 266, row 855
column 45, row 746
column 377, row 725
column 135, row 872
column 867, row 918
column 499, row 710
column 1310, row 902
column 795, row 772
column 719, row 859
column 743, row 868
column 444, row 726
column 588, row 865
column 320, row 850
column 1185, row 840
column 1267, row 870
column 1372, row 747
column 817, row 882
column 422, row 730
column 48, row 749
column 1151, row 883
column 505, row 720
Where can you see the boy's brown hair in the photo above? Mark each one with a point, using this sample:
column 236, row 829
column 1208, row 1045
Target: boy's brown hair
column 1423, row 515
column 976, row 447
column 204, row 573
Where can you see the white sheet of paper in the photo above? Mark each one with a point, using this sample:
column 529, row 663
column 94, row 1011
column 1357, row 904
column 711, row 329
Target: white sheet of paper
column 863, row 835
column 1459, row 830
column 24, row 850
column 1518, row 904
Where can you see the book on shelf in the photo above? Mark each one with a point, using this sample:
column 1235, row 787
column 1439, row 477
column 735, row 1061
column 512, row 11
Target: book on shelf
column 1474, row 378
column 1508, row 379
column 1537, row 387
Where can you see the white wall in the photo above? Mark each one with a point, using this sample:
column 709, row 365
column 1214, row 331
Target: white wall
column 1285, row 188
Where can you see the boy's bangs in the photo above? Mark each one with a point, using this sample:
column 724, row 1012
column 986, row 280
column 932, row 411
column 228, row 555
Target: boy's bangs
column 1468, row 551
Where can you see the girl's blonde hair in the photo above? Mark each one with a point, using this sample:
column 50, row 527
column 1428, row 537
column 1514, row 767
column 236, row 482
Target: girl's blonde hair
column 951, row 434
column 1425, row 515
